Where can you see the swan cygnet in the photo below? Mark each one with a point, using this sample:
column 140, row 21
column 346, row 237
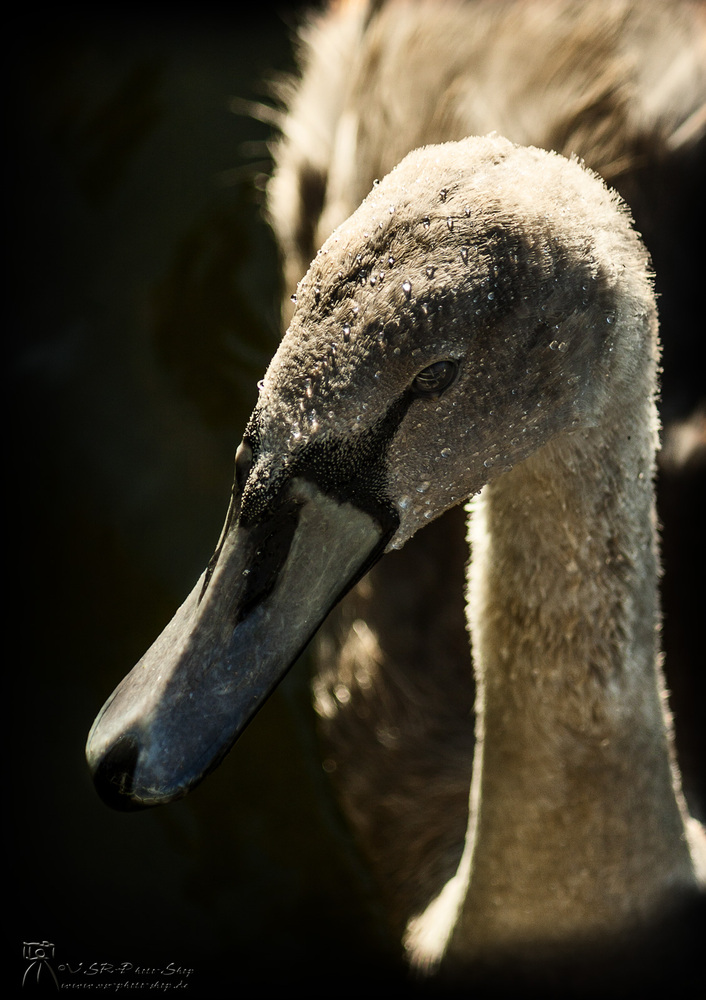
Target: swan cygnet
column 485, row 320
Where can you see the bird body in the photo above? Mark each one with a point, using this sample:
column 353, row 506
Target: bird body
column 482, row 325
column 623, row 86
column 571, row 733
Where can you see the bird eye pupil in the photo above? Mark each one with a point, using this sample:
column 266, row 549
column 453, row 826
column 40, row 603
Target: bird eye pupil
column 433, row 380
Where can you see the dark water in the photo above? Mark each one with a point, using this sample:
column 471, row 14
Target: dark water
column 144, row 310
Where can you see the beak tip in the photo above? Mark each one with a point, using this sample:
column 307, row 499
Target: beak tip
column 113, row 775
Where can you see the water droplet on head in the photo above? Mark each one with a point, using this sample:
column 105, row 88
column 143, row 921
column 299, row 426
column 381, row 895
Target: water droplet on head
column 430, row 271
column 390, row 261
column 491, row 296
column 407, row 288
column 346, row 333
column 426, row 222
column 442, row 194
column 261, row 385
column 449, row 223
column 464, row 254
column 445, row 452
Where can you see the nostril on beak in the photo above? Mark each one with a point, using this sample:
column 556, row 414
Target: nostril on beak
column 113, row 776
column 243, row 463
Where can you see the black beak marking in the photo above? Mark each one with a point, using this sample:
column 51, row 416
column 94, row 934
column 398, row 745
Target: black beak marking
column 271, row 552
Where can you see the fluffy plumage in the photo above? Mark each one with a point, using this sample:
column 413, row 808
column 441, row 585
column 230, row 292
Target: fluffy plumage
column 484, row 320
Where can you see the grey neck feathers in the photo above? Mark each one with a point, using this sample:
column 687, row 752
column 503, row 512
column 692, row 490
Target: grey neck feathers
column 577, row 825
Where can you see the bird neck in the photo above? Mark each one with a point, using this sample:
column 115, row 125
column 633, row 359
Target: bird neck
column 576, row 825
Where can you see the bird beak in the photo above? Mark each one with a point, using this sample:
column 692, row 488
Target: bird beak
column 270, row 585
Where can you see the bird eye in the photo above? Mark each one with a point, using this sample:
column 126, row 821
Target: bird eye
column 433, row 380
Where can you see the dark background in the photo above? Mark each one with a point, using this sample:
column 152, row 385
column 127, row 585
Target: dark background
column 144, row 304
